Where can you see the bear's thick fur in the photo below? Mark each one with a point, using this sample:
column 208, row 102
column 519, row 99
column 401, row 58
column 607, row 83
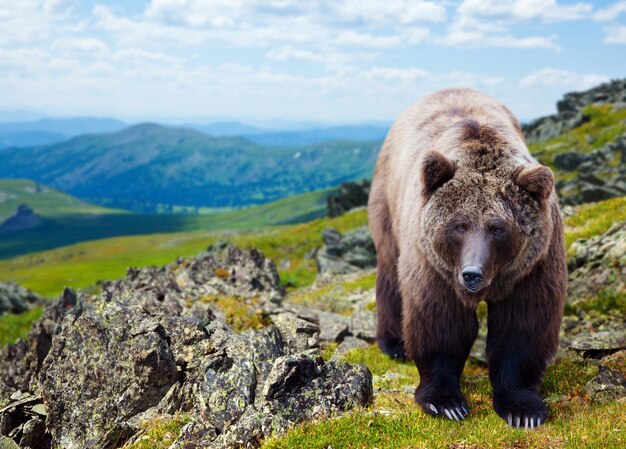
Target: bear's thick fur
column 460, row 212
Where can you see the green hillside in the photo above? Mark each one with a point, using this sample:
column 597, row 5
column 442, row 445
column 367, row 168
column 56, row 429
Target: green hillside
column 144, row 167
column 74, row 226
column 47, row 202
column 82, row 265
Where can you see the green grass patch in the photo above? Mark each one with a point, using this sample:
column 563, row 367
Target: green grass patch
column 334, row 297
column 581, row 426
column 159, row 433
column 76, row 225
column 394, row 421
column 16, row 326
column 45, row 201
column 593, row 219
column 241, row 313
column 83, row 264
column 604, row 126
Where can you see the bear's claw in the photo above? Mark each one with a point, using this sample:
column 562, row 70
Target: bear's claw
column 456, row 413
column 531, row 422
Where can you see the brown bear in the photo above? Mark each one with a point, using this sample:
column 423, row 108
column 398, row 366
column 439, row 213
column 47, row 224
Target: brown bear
column 460, row 212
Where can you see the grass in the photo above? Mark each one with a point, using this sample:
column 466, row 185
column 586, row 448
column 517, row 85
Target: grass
column 159, row 433
column 394, row 421
column 593, row 219
column 15, row 326
column 580, row 426
column 84, row 264
column 241, row 313
column 604, row 126
column 45, row 201
column 334, row 296
column 74, row 226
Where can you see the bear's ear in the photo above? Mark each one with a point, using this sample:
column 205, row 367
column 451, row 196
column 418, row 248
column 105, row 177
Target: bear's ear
column 538, row 181
column 436, row 171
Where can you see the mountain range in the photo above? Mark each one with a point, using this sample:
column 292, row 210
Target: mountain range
column 145, row 166
column 46, row 131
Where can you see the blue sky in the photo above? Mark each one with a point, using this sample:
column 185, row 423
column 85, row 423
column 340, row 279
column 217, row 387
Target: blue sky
column 340, row 61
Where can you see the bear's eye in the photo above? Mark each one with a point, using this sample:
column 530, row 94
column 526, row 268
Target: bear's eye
column 498, row 232
column 460, row 228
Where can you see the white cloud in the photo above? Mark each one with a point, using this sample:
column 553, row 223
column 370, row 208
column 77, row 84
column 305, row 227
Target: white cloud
column 85, row 46
column 491, row 23
column 523, row 10
column 396, row 74
column 228, row 13
column 550, row 77
column 27, row 20
column 611, row 12
column 615, row 35
column 368, row 40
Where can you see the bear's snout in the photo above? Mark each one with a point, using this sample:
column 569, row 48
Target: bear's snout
column 472, row 277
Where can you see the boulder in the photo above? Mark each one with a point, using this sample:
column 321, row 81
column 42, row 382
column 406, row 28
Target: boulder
column 343, row 254
column 17, row 299
column 569, row 160
column 598, row 266
column 607, row 385
column 598, row 343
column 570, row 110
column 348, row 196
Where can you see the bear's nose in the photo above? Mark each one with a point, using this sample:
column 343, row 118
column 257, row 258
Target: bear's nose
column 472, row 275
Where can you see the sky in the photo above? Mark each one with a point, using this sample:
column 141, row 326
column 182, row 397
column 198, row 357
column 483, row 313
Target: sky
column 267, row 61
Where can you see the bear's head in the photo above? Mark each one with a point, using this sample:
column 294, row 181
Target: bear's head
column 485, row 220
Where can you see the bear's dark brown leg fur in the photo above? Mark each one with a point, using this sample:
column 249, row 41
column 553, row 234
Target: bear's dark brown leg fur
column 389, row 307
column 439, row 332
column 388, row 298
column 523, row 337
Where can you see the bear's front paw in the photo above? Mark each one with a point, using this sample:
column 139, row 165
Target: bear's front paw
column 436, row 402
column 521, row 409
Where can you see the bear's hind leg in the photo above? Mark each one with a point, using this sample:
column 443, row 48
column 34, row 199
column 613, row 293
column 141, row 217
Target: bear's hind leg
column 439, row 332
column 522, row 338
column 389, row 308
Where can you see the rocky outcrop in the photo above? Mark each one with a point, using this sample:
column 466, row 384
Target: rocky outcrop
column 157, row 343
column 17, row 299
column 598, row 266
column 598, row 176
column 570, row 110
column 349, row 195
column 347, row 253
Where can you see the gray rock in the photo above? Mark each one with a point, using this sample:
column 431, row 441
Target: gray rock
column 363, row 325
column 598, row 265
column 345, row 254
column 607, row 385
column 599, row 342
column 591, row 193
column 333, row 327
column 17, row 299
column 569, row 160
column 569, row 110
column 299, row 334
column 347, row 345
column 151, row 345
column 349, row 195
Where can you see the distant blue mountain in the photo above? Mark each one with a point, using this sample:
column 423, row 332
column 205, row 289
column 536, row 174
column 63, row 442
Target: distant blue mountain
column 227, row 129
column 29, row 138
column 354, row 133
column 52, row 130
column 294, row 138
